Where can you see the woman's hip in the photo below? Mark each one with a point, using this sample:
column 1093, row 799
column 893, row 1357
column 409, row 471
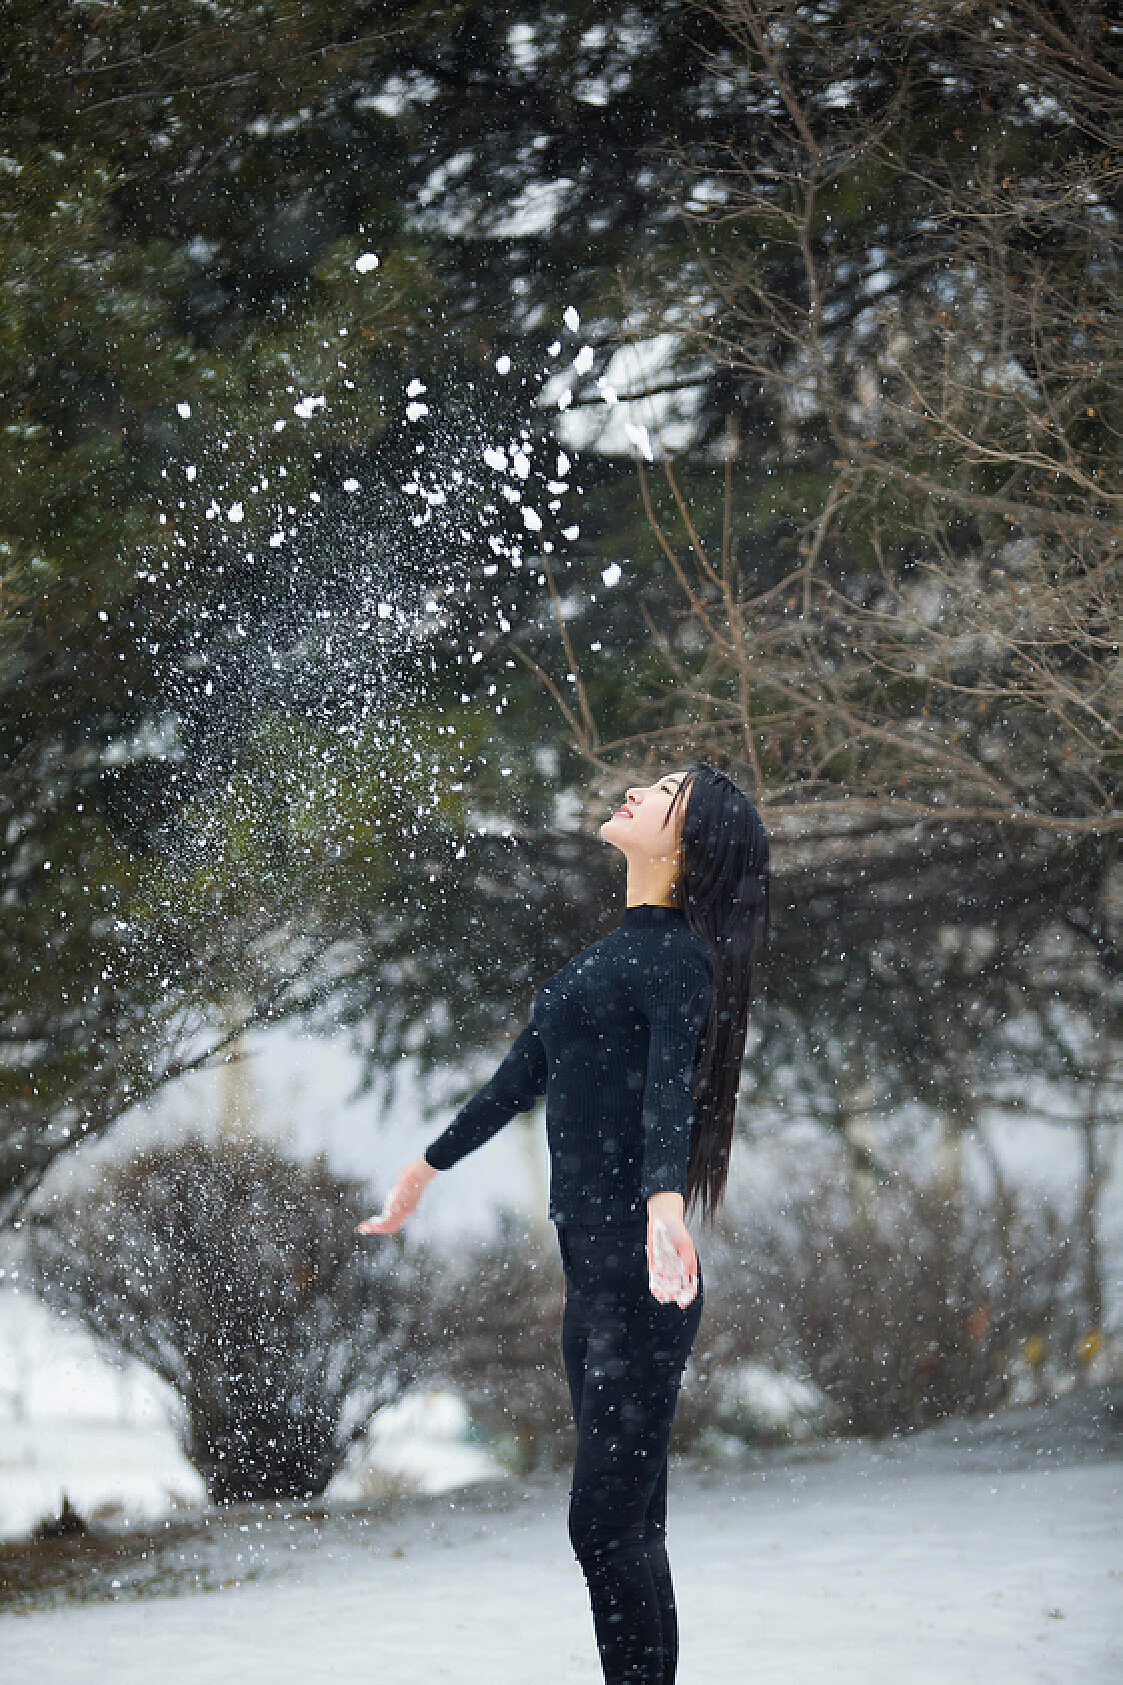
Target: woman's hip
column 606, row 1284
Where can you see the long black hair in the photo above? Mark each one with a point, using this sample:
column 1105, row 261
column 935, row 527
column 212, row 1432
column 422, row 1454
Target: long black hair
column 722, row 888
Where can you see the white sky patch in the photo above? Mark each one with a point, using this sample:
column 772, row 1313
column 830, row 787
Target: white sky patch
column 520, row 40
column 639, row 437
column 307, row 407
column 183, row 411
column 503, row 365
column 520, row 462
column 350, row 485
column 840, row 94
column 571, row 319
column 392, row 98
column 644, row 395
column 535, row 210
column 532, row 520
column 235, row 513
column 416, row 389
column 612, row 574
column 584, row 360
column 365, row 262
column 495, row 459
column 414, row 412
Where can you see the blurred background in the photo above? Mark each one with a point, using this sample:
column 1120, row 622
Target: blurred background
column 420, row 423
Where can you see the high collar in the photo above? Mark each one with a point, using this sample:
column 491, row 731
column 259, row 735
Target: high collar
column 647, row 917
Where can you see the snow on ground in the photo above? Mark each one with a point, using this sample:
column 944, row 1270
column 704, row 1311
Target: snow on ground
column 982, row 1552
column 72, row 1422
column 105, row 1469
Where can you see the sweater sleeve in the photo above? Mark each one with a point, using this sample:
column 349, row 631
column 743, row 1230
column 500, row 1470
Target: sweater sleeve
column 516, row 1085
column 675, row 1003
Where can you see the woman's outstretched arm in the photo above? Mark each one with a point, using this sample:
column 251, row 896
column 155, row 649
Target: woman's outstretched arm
column 516, row 1085
column 518, row 1082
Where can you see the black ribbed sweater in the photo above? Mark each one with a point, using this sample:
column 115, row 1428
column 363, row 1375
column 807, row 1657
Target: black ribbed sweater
column 611, row 1045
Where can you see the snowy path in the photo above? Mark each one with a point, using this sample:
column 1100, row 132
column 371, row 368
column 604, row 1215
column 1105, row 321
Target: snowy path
column 943, row 1561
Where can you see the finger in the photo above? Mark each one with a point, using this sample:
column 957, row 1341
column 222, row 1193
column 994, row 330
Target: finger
column 387, row 1222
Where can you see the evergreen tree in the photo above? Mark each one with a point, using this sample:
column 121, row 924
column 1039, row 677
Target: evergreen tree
column 249, row 771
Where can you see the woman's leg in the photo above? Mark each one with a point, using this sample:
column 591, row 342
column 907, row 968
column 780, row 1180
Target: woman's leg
column 624, row 1359
column 655, row 1534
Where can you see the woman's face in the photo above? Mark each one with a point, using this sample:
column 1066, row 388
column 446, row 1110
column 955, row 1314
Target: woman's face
column 640, row 829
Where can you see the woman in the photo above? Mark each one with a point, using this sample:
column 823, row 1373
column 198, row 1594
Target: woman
column 637, row 1045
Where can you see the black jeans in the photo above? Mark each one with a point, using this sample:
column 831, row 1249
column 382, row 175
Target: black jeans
column 624, row 1357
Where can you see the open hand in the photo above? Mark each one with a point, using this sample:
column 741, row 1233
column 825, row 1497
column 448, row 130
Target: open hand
column 672, row 1263
column 402, row 1200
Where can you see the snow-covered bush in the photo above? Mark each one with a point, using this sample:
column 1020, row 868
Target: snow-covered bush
column 755, row 1402
column 901, row 1303
column 236, row 1274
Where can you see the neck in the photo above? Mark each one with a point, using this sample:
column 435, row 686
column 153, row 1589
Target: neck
column 650, row 883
